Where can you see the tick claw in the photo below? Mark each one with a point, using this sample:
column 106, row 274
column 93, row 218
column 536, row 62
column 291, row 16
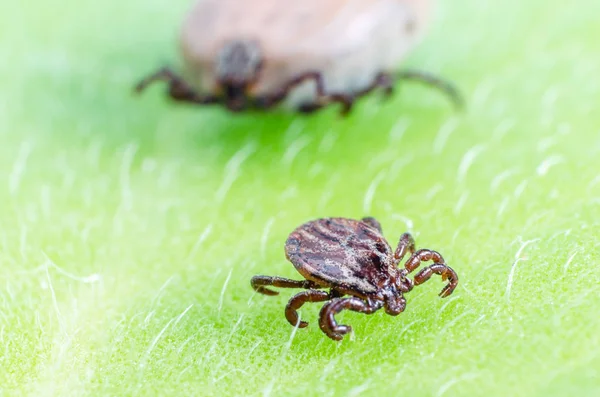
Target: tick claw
column 339, row 332
column 342, row 329
column 446, row 291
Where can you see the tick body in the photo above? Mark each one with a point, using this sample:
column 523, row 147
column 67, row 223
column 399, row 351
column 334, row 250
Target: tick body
column 354, row 261
column 258, row 54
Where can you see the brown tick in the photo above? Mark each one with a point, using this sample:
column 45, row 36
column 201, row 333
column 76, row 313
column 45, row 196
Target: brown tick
column 351, row 257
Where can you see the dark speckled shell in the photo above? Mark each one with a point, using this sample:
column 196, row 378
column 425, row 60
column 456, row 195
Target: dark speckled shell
column 345, row 253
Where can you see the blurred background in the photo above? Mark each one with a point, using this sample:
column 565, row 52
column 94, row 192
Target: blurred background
column 130, row 227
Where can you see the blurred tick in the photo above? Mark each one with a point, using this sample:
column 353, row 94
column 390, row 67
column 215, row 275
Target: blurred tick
column 351, row 257
column 304, row 55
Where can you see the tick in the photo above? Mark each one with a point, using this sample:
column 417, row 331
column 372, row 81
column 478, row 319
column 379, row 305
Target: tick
column 354, row 261
column 304, row 55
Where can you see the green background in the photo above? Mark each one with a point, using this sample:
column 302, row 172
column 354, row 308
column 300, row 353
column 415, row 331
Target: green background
column 130, row 227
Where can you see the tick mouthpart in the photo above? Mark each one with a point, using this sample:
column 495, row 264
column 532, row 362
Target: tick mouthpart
column 235, row 95
column 233, row 87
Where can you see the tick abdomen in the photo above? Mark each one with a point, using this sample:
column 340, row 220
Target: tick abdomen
column 348, row 41
column 341, row 252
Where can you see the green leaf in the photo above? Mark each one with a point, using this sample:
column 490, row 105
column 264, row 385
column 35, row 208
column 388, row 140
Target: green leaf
column 131, row 226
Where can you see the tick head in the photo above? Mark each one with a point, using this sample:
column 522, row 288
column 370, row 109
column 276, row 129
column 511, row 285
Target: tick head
column 238, row 64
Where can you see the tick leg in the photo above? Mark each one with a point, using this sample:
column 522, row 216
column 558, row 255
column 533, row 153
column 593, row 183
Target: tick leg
column 369, row 220
column 435, row 81
column 442, row 269
column 179, row 90
column 439, row 267
column 323, row 97
column 382, row 80
column 422, row 255
column 406, row 244
column 309, row 107
column 259, row 283
column 327, row 316
column 291, row 310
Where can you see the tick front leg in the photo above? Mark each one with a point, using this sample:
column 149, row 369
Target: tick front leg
column 439, row 267
column 291, row 310
column 435, row 81
column 259, row 283
column 422, row 255
column 309, row 107
column 323, row 97
column 327, row 320
column 382, row 80
column 442, row 269
column 179, row 90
